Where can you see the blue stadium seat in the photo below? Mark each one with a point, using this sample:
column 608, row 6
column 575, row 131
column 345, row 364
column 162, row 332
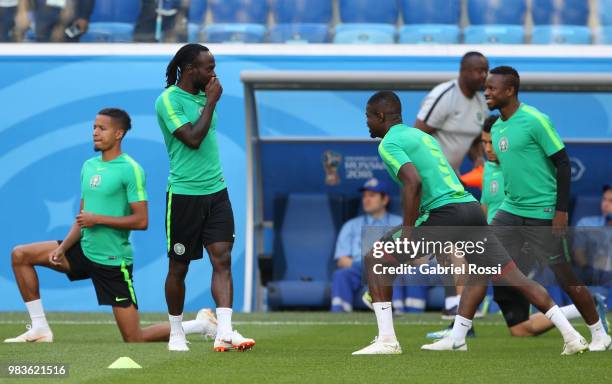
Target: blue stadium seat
column 431, row 11
column 482, row 12
column 195, row 19
column 435, row 298
column 239, row 11
column 299, row 33
column 301, row 21
column 586, row 205
column 116, row 11
column 605, row 12
column 109, row 33
column 560, row 34
column 237, row 21
column 369, row 33
column 302, row 11
column 234, row 33
column 556, row 12
column 494, row 34
column 605, row 35
column 429, row 34
column 369, row 11
column 305, row 226
column 112, row 21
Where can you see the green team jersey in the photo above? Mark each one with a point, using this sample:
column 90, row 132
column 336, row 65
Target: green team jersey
column 108, row 188
column 192, row 171
column 440, row 185
column 492, row 189
column 523, row 144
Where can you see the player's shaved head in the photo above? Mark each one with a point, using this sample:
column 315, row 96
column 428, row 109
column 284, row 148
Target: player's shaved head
column 467, row 59
column 386, row 102
column 384, row 110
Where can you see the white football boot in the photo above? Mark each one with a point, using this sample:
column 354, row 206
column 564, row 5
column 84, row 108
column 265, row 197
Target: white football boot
column 445, row 344
column 33, row 335
column 379, row 347
column 601, row 344
column 578, row 345
column 234, row 340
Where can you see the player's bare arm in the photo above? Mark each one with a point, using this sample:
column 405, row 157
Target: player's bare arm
column 192, row 135
column 73, row 237
column 137, row 220
column 411, row 193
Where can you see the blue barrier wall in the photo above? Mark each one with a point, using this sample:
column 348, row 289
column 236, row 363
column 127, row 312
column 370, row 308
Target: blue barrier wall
column 358, row 161
column 49, row 102
column 337, row 114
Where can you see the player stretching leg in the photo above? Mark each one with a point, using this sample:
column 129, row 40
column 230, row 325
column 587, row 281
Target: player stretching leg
column 429, row 186
column 514, row 307
column 97, row 247
column 198, row 211
column 536, row 172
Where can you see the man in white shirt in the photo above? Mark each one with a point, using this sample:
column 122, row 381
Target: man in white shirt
column 453, row 112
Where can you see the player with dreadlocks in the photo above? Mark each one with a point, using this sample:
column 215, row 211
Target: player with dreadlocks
column 198, row 210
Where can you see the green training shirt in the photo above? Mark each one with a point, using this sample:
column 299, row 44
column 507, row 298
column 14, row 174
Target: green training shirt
column 192, row 171
column 492, row 189
column 108, row 188
column 523, row 144
column 440, row 185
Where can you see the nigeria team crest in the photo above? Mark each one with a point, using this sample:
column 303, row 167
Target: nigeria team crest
column 494, row 187
column 95, row 181
column 503, row 144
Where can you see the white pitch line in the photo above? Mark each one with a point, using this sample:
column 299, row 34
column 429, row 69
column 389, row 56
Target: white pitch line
column 258, row 323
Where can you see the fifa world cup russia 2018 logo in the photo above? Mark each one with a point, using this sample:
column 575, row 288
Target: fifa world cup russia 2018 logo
column 331, row 161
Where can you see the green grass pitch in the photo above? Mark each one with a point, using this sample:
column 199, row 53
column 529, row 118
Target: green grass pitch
column 298, row 347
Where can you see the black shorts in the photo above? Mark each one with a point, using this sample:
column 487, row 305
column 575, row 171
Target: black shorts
column 527, row 240
column 514, row 231
column 458, row 219
column 195, row 221
column 514, row 306
column 458, row 223
column 113, row 284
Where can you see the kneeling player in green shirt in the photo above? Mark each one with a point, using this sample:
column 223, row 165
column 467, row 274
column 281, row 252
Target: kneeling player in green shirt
column 431, row 190
column 97, row 247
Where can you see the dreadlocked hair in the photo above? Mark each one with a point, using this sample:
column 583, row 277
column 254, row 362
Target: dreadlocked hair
column 185, row 56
